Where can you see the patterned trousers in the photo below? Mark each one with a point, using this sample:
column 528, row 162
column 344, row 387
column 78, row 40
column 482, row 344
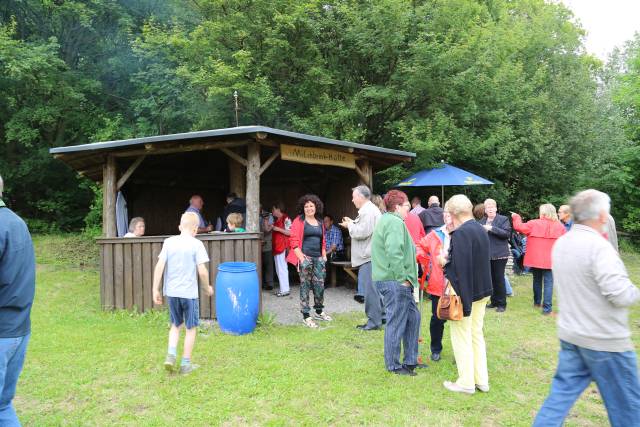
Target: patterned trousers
column 312, row 273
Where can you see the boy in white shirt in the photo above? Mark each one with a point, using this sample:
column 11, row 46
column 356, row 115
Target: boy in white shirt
column 182, row 260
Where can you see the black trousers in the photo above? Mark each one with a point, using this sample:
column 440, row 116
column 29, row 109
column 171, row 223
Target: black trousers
column 499, row 295
column 436, row 326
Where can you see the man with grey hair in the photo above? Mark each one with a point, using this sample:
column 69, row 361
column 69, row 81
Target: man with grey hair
column 594, row 295
column 361, row 231
column 17, row 289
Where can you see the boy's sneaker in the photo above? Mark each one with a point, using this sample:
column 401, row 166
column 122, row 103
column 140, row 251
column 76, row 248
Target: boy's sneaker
column 187, row 369
column 322, row 316
column 282, row 294
column 170, row 363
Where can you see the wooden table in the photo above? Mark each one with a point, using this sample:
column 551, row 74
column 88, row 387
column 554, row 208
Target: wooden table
column 346, row 267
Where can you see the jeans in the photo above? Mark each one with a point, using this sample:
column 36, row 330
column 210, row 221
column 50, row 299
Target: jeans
column 616, row 375
column 507, row 286
column 436, row 326
column 538, row 275
column 499, row 296
column 403, row 324
column 12, row 352
column 373, row 307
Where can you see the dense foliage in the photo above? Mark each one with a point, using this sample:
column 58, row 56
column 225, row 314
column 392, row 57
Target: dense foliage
column 503, row 88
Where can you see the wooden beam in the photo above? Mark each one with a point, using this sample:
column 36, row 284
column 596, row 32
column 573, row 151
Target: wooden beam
column 253, row 188
column 109, row 174
column 125, row 176
column 270, row 160
column 202, row 146
column 234, row 156
column 237, row 178
column 261, row 136
column 362, row 175
column 365, row 172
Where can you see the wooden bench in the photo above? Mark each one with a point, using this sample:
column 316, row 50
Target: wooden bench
column 346, row 267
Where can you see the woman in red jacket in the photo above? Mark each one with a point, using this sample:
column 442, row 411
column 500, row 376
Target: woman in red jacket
column 308, row 253
column 541, row 235
column 430, row 250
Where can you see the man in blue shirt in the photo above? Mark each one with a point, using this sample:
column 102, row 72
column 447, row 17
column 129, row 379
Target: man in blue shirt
column 17, row 288
column 195, row 205
column 564, row 214
column 333, row 240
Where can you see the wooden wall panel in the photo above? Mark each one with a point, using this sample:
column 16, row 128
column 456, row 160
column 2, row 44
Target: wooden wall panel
column 126, row 276
column 155, row 251
column 107, row 264
column 136, row 263
column 146, row 277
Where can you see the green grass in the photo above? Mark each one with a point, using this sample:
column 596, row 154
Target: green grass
column 88, row 367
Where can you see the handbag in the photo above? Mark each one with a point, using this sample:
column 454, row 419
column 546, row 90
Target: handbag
column 449, row 305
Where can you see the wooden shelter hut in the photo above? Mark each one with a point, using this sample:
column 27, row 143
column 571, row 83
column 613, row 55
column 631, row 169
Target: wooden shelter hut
column 158, row 175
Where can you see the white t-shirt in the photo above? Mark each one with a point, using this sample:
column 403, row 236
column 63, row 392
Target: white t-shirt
column 182, row 255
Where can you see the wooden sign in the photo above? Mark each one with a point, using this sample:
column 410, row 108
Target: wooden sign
column 317, row 156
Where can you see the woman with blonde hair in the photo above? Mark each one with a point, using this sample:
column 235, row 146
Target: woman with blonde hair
column 468, row 270
column 541, row 234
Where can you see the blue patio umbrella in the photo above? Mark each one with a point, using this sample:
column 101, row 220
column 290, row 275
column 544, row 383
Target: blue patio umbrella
column 444, row 175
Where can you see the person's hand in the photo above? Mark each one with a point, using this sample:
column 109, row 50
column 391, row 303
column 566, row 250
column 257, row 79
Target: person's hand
column 487, row 227
column 209, row 227
column 513, row 214
column 157, row 297
column 210, row 291
column 442, row 260
column 324, row 258
column 345, row 222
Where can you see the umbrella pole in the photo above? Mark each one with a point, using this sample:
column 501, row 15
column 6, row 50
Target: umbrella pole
column 442, row 200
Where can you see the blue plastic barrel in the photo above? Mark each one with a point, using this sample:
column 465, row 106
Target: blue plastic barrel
column 237, row 297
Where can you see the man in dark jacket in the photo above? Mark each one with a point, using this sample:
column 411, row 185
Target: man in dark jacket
column 235, row 204
column 469, row 271
column 432, row 217
column 17, row 288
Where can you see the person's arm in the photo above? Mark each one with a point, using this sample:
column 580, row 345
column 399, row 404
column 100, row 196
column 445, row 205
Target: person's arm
column 363, row 227
column 519, row 226
column 394, row 249
column 613, row 279
column 502, row 229
column 157, row 276
column 203, row 275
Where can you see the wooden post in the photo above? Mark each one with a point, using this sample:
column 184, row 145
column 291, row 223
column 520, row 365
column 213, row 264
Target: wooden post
column 109, row 182
column 365, row 172
column 253, row 188
column 237, row 180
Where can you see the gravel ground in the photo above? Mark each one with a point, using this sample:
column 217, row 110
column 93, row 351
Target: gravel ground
column 287, row 309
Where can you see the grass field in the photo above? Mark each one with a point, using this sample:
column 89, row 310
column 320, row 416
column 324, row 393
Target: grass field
column 88, row 367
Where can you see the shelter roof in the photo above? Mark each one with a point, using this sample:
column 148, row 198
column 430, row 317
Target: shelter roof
column 87, row 159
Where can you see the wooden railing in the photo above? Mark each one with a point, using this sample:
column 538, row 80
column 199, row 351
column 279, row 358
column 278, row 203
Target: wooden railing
column 126, row 271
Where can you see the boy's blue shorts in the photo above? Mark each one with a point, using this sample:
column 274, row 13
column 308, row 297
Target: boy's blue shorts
column 184, row 310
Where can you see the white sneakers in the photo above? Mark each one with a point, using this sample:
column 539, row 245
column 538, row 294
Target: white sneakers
column 322, row 316
column 452, row 386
